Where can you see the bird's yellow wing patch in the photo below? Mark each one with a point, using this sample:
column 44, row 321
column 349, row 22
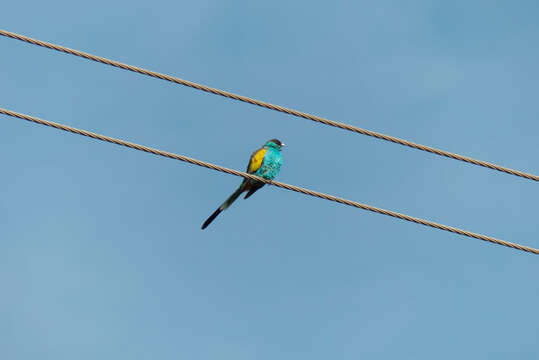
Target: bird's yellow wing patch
column 256, row 160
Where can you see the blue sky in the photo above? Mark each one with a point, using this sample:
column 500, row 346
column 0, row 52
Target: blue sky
column 101, row 252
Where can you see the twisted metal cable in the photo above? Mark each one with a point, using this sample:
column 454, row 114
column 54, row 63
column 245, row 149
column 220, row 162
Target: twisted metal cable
column 274, row 183
column 270, row 106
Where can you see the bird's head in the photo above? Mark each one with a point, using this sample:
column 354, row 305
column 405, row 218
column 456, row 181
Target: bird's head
column 274, row 143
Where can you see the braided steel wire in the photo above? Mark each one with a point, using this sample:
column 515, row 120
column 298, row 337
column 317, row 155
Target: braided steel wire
column 270, row 106
column 274, row 183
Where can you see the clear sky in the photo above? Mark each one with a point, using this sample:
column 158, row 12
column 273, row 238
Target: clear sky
column 101, row 252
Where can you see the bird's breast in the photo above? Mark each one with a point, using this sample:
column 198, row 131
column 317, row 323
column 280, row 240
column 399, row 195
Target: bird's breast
column 271, row 165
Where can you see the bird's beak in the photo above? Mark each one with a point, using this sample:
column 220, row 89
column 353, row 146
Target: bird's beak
column 282, row 144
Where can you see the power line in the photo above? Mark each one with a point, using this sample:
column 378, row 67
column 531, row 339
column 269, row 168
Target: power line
column 269, row 105
column 275, row 183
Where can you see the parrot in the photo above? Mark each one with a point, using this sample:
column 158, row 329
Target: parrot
column 265, row 162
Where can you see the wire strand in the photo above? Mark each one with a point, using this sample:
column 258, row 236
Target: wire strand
column 274, row 183
column 270, row 106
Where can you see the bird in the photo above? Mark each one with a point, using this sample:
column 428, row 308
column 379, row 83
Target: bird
column 265, row 162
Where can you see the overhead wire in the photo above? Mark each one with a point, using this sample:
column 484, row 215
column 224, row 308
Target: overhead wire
column 269, row 182
column 269, row 105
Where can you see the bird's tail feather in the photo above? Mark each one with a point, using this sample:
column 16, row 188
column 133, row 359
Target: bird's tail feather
column 224, row 206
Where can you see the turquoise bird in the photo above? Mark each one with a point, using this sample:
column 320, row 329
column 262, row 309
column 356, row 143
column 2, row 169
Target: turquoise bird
column 264, row 162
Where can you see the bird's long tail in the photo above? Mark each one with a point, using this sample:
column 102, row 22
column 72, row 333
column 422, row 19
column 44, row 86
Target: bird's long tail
column 224, row 205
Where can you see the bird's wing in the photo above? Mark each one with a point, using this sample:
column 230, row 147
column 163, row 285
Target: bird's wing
column 256, row 160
